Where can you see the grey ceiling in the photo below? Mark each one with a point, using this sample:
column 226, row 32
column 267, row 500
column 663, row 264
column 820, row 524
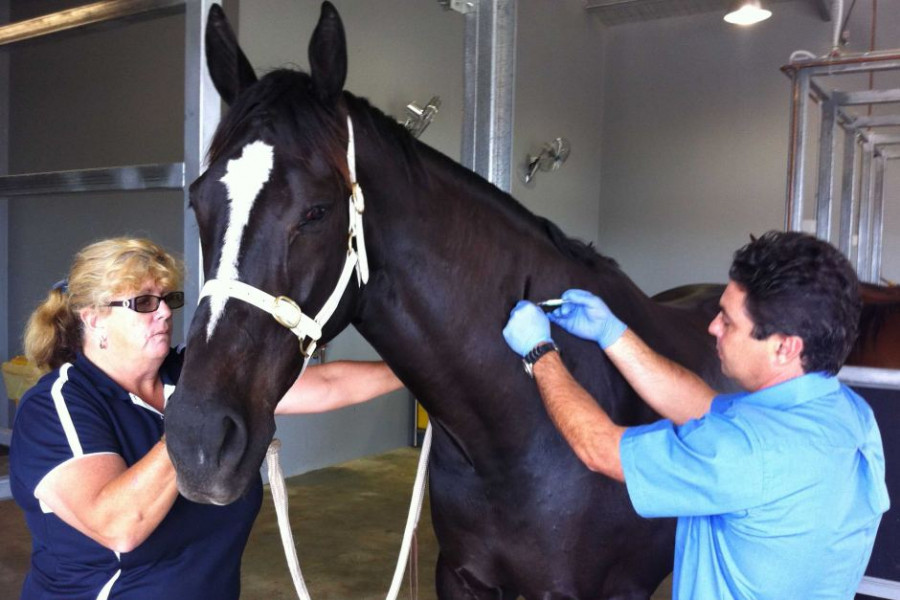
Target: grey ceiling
column 615, row 12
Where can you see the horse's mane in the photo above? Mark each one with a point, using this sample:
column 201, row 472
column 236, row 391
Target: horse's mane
column 284, row 96
column 575, row 248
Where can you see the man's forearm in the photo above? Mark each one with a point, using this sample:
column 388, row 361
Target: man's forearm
column 582, row 422
column 671, row 390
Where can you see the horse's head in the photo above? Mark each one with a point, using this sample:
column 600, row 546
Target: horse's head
column 272, row 210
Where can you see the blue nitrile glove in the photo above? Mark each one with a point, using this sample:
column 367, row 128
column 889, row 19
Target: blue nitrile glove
column 587, row 316
column 527, row 327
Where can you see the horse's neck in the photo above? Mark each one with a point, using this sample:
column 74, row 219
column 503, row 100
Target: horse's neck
column 449, row 263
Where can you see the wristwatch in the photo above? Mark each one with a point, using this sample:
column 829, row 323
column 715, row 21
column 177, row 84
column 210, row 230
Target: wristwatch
column 535, row 354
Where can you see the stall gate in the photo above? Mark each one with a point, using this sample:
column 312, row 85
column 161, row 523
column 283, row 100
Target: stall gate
column 857, row 142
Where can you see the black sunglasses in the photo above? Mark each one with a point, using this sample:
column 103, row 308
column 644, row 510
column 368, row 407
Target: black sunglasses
column 149, row 303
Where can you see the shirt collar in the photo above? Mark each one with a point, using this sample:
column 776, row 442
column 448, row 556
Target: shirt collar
column 109, row 388
column 100, row 380
column 795, row 391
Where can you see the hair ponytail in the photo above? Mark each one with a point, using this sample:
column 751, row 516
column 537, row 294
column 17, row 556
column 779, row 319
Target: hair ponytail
column 53, row 333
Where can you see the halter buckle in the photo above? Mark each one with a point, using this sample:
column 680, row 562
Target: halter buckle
column 307, row 348
column 359, row 202
column 286, row 312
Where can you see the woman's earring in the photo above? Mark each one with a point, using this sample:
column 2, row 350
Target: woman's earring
column 103, row 343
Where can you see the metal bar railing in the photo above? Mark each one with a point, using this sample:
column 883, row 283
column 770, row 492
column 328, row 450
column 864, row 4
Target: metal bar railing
column 136, row 177
column 81, row 16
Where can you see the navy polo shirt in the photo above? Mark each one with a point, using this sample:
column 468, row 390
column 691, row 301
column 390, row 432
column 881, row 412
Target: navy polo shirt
column 195, row 552
column 779, row 492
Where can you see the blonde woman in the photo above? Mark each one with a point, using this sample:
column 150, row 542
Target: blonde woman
column 87, row 462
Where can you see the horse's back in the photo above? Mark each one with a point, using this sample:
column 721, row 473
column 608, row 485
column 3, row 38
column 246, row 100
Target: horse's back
column 701, row 297
column 878, row 344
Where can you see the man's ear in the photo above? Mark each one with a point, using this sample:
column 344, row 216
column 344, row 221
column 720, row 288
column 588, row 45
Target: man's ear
column 790, row 347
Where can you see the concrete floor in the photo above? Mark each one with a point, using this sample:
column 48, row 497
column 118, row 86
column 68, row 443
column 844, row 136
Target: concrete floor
column 347, row 521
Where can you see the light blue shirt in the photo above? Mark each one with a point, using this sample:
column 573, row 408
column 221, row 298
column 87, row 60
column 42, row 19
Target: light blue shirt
column 778, row 493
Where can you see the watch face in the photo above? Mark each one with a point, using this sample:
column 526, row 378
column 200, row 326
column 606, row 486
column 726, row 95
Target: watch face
column 536, row 353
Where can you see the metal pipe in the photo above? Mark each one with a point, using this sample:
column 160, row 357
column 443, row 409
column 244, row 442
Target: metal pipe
column 825, row 193
column 202, row 110
column 89, row 14
column 885, row 139
column 849, row 198
column 864, row 245
column 490, row 47
column 866, row 97
column 850, row 60
column 793, row 214
column 877, row 219
column 139, row 177
column 876, row 121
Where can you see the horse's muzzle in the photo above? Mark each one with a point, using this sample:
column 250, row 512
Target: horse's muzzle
column 209, row 448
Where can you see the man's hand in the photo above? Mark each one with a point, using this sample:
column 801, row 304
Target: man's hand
column 587, row 316
column 527, row 327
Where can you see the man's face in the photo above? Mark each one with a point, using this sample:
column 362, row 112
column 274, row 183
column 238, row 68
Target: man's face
column 744, row 358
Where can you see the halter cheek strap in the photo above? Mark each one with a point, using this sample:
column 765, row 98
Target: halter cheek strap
column 283, row 309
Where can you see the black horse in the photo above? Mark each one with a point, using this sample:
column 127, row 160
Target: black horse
column 514, row 511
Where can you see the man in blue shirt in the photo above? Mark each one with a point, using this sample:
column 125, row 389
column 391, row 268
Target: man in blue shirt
column 778, row 490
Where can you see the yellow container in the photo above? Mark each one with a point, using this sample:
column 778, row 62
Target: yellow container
column 421, row 417
column 19, row 374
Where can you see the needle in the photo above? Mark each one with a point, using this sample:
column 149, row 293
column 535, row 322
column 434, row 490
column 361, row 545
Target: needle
column 551, row 305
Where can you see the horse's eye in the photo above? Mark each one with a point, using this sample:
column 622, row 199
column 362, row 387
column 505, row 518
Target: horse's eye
column 314, row 214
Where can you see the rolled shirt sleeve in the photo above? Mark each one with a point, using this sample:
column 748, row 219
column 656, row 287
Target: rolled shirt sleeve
column 706, row 466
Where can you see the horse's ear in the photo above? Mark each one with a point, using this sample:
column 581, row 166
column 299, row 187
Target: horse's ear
column 228, row 66
column 328, row 54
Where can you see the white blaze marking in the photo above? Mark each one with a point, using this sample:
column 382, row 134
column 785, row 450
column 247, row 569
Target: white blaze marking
column 244, row 178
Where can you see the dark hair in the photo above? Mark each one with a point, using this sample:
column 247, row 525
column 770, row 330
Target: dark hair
column 799, row 285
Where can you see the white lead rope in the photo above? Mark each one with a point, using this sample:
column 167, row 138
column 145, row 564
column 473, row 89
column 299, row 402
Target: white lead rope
column 279, row 497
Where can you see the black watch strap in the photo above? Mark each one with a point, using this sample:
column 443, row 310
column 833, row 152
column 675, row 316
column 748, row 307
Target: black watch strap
column 535, row 354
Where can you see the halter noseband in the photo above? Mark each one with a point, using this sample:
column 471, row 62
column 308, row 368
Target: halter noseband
column 287, row 312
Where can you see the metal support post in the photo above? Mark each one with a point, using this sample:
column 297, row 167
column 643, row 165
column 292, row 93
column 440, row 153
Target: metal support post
column 864, row 245
column 490, row 43
column 793, row 215
column 849, row 199
column 825, row 187
column 877, row 218
column 202, row 110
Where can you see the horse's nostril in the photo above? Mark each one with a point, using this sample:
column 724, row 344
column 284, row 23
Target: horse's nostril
column 234, row 441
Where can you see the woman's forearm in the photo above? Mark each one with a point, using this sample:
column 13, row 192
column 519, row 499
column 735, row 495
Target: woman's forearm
column 338, row 384
column 117, row 506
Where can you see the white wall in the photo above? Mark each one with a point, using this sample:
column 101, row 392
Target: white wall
column 559, row 93
column 695, row 135
column 399, row 51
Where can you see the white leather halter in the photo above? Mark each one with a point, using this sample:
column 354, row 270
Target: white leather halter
column 287, row 312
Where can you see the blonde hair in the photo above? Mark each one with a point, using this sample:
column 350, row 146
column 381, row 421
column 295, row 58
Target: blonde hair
column 100, row 271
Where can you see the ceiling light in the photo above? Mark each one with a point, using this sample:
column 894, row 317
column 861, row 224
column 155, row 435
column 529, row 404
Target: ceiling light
column 747, row 12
